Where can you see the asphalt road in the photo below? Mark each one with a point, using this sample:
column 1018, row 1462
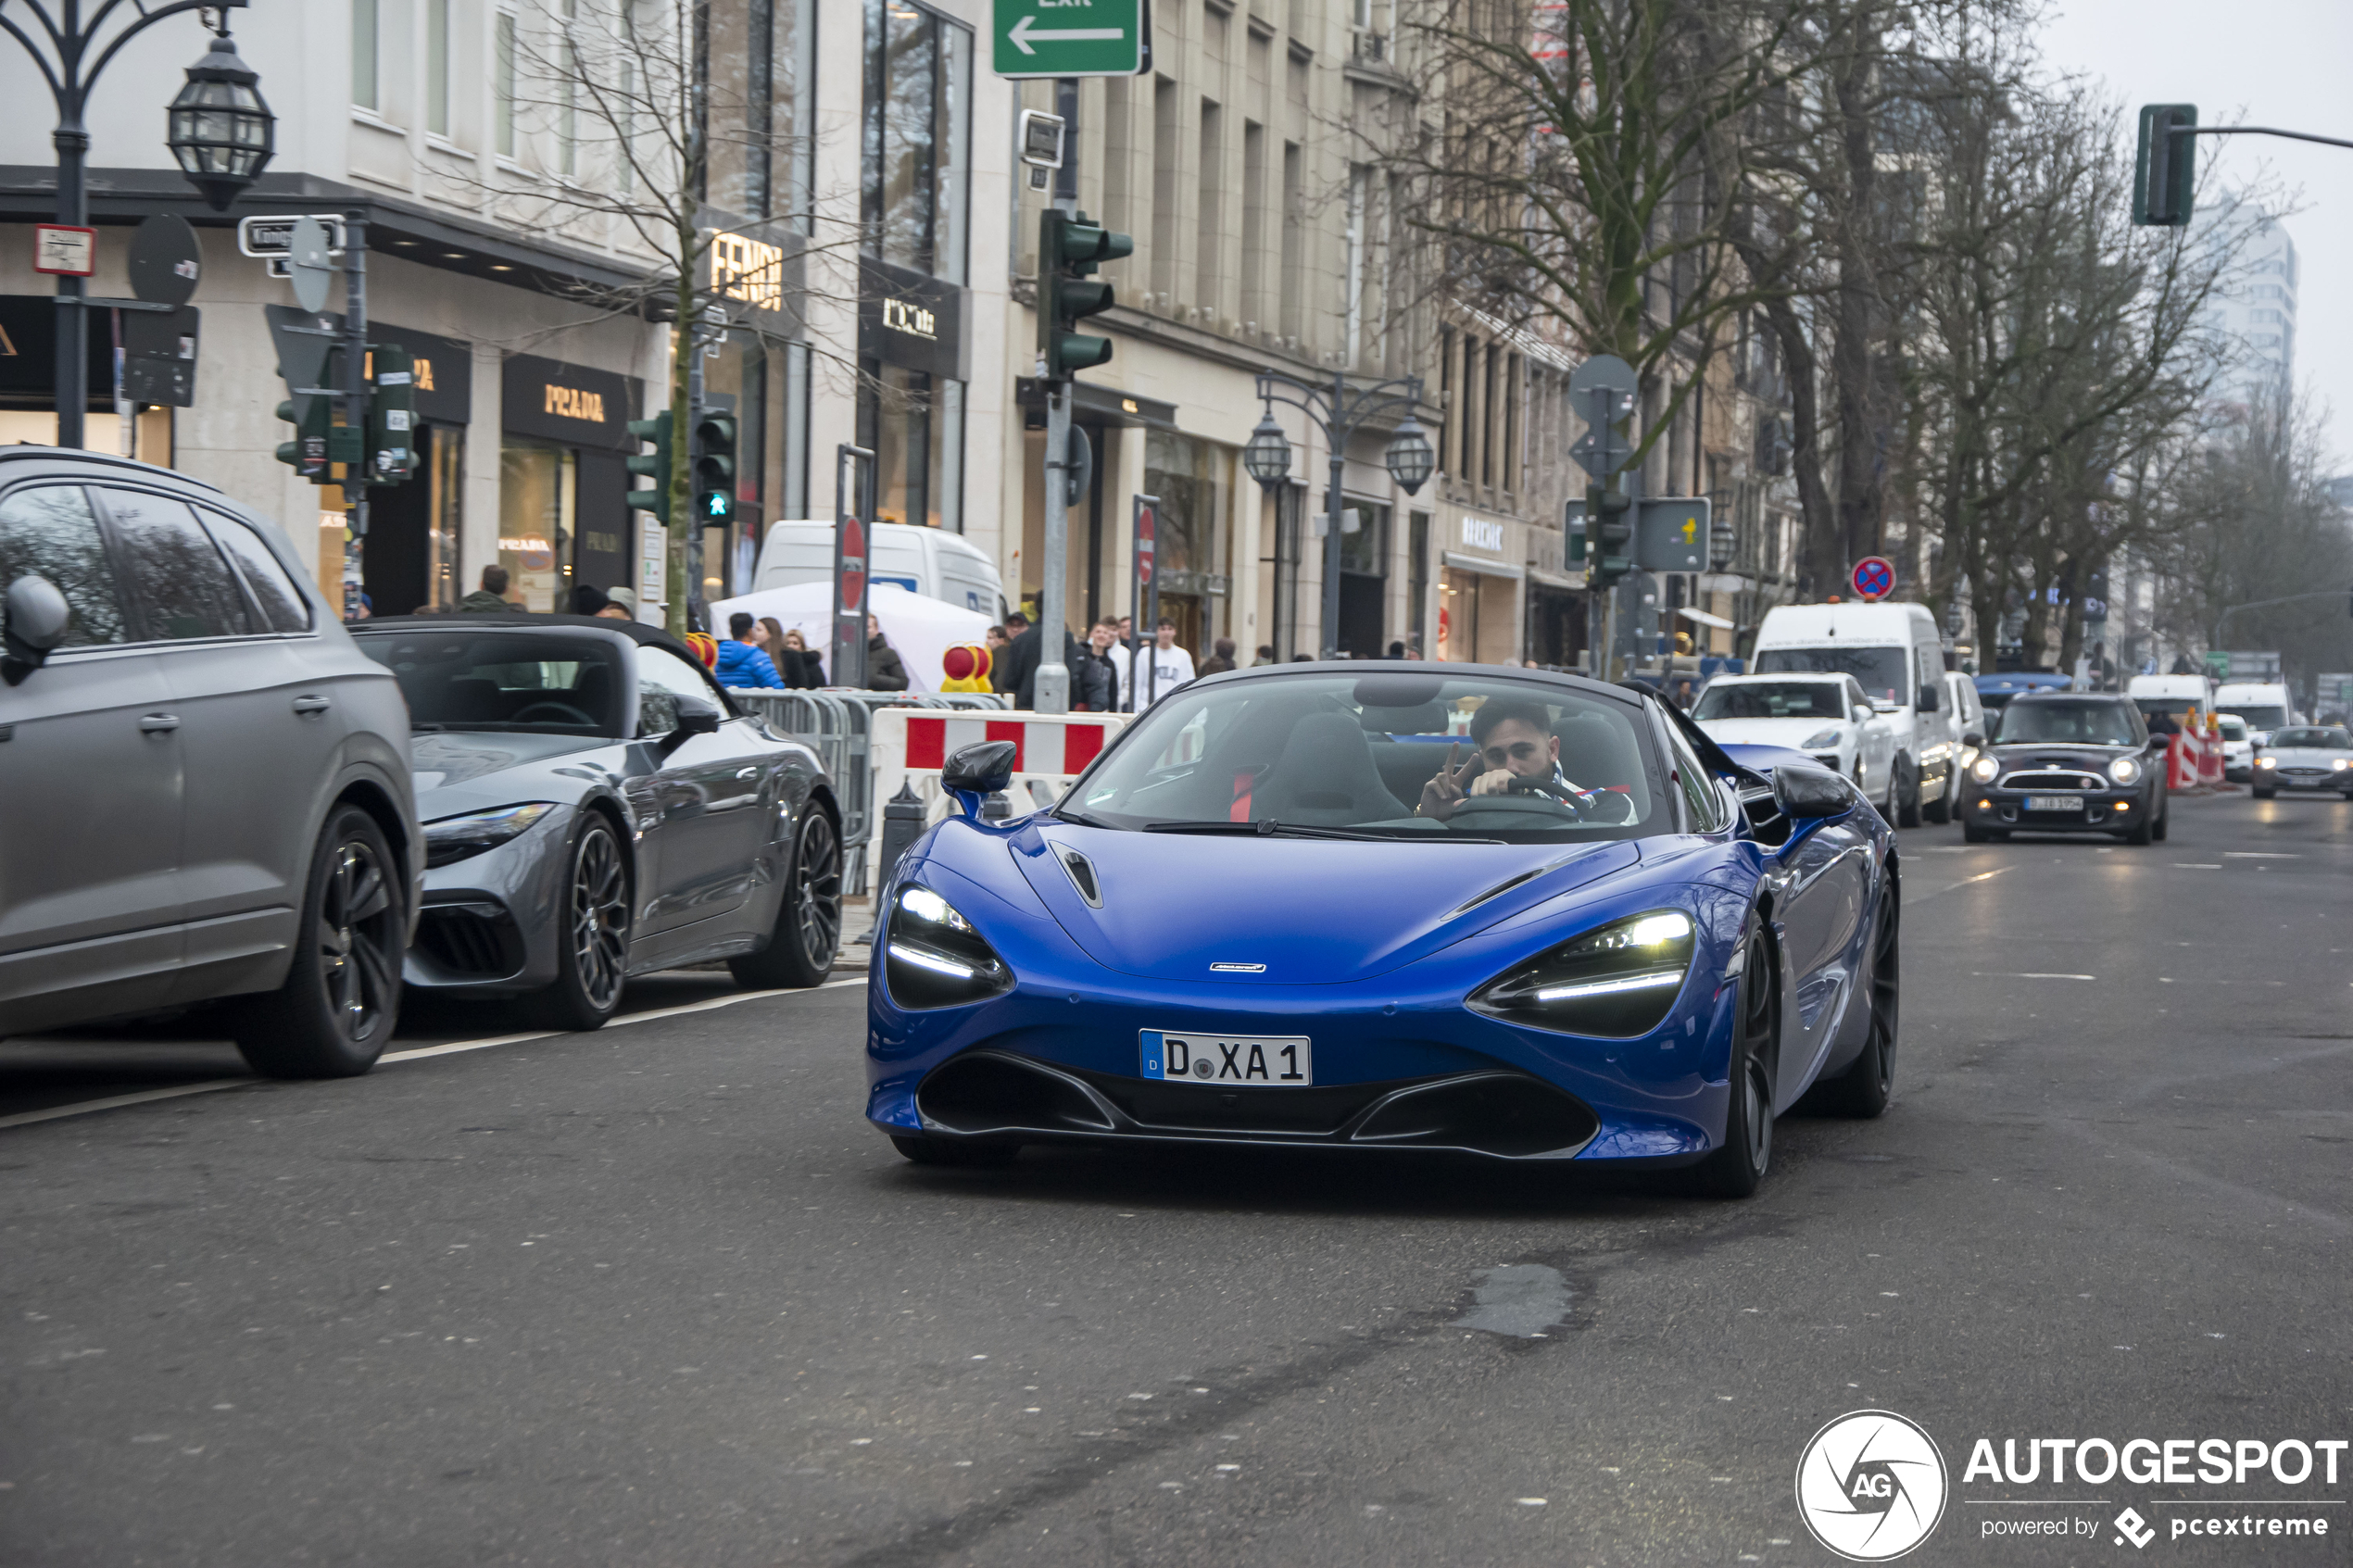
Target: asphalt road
column 657, row 1296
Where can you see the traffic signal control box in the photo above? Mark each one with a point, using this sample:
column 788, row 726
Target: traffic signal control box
column 392, row 416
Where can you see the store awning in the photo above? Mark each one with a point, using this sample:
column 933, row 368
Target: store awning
column 1480, row 563
column 1705, row 619
column 1567, row 581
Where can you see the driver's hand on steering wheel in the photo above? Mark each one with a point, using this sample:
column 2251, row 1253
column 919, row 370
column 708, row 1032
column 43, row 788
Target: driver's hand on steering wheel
column 1498, row 782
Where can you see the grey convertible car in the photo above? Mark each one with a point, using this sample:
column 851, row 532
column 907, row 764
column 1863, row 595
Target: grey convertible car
column 596, row 808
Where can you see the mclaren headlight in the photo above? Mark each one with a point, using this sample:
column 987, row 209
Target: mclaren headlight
column 1820, row 738
column 1984, row 769
column 2125, row 769
column 1616, row 980
column 933, row 958
column 457, row 838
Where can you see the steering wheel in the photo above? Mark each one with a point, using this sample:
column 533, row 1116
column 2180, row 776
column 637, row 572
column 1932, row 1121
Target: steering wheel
column 565, row 713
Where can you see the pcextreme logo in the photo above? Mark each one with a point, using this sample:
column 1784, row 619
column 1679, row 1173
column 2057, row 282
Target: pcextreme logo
column 1872, row 1486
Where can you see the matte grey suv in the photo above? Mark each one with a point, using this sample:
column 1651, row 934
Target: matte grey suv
column 204, row 784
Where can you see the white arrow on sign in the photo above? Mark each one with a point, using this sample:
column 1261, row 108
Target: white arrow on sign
column 1023, row 33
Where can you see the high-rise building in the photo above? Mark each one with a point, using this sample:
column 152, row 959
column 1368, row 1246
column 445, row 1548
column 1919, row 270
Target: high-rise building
column 2252, row 315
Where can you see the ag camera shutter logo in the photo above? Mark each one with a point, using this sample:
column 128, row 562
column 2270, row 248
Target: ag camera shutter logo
column 1872, row 1486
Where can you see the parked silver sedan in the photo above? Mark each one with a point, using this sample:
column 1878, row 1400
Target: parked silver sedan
column 2306, row 760
column 595, row 807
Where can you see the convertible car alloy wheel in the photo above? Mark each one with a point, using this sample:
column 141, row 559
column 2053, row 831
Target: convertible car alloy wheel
column 599, row 917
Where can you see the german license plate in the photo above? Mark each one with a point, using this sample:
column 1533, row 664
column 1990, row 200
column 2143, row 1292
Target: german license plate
column 1251, row 1061
column 2055, row 803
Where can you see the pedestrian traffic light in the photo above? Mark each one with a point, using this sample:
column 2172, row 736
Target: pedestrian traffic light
column 715, row 466
column 1068, row 248
column 392, row 414
column 1573, row 530
column 307, row 453
column 2165, row 171
column 654, row 465
column 1612, row 546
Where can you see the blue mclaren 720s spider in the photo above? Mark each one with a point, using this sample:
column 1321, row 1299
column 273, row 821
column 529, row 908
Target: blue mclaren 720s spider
column 1482, row 912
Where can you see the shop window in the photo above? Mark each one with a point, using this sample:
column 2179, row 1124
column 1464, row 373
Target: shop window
column 917, row 134
column 536, row 485
column 915, row 425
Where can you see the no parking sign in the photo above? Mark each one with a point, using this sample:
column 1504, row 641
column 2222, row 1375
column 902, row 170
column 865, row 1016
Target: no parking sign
column 1873, row 578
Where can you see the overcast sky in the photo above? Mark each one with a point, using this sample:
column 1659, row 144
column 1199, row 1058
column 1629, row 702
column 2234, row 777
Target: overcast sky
column 2254, row 62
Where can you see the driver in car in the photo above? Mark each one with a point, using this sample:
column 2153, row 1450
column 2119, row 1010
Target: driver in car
column 1517, row 754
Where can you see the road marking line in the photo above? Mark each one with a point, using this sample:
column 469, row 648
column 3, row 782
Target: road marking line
column 112, row 1102
column 25, row 1118
column 2258, row 855
column 1989, row 974
column 2197, row 866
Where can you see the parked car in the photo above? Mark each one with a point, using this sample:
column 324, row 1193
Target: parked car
column 1826, row 717
column 1897, row 654
column 2238, row 747
column 207, row 784
column 2068, row 762
column 2303, row 759
column 595, row 807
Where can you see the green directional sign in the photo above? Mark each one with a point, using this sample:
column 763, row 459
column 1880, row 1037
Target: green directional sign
column 1069, row 38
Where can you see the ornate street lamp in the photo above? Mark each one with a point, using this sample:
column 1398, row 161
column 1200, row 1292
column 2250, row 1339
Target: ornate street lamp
column 1338, row 410
column 221, row 131
column 1268, row 455
column 1409, row 456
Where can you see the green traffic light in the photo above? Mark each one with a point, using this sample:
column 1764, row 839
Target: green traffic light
column 1069, row 248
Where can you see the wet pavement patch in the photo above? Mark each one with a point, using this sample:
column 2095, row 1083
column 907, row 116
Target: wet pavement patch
column 1522, row 1301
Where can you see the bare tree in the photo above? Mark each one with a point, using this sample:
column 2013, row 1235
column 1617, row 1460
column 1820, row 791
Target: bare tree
column 659, row 142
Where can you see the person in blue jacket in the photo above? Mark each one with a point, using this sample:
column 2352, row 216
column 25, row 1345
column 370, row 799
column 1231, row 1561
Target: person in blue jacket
column 741, row 664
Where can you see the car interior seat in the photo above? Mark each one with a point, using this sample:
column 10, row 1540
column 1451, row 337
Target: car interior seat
column 1325, row 777
column 1405, row 764
column 1599, row 753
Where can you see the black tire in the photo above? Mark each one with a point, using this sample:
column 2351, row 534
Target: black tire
column 1972, row 834
column 1940, row 811
column 1907, row 793
column 938, row 1151
column 341, row 999
column 2141, row 833
column 2265, row 794
column 1740, row 1163
column 1862, row 1091
column 2164, row 822
column 592, row 960
column 807, row 934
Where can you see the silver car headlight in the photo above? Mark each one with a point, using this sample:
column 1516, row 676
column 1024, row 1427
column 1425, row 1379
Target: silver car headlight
column 459, row 838
column 2125, row 769
column 2266, row 761
column 1615, row 981
column 2338, row 764
column 1984, row 769
column 1820, row 738
column 933, row 958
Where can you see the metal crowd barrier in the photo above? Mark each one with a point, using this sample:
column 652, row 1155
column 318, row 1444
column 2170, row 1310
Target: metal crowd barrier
column 836, row 722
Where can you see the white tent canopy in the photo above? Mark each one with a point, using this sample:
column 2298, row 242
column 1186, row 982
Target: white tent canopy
column 922, row 629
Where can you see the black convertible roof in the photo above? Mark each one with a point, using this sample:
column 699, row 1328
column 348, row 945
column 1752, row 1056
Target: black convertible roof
column 523, row 620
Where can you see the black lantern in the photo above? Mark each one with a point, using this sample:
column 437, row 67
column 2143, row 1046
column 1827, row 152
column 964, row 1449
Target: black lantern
column 221, row 131
column 1409, row 456
column 1268, row 455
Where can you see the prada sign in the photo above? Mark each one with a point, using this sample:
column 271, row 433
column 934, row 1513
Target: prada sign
column 910, row 319
column 571, row 405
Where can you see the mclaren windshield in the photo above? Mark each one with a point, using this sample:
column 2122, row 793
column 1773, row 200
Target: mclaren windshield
column 1424, row 757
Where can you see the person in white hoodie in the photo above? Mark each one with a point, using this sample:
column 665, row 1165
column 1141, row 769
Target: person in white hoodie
column 1162, row 667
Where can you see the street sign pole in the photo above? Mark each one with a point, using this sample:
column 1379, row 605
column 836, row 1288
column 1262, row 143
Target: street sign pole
column 853, row 471
column 1144, row 596
column 355, row 393
column 1053, row 693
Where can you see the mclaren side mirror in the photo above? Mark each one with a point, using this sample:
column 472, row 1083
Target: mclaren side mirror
column 976, row 771
column 1809, row 793
column 36, row 616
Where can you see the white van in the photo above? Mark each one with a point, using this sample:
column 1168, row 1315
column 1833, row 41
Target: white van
column 2173, row 696
column 931, row 561
column 1897, row 654
column 2263, row 704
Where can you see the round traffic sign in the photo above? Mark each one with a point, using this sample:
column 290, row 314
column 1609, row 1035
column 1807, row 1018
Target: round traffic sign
column 165, row 261
column 1874, row 577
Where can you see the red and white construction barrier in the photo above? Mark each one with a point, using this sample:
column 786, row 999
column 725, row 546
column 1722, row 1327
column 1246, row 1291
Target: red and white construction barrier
column 910, row 746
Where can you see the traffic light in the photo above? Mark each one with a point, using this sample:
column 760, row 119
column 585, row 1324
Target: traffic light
column 1069, row 248
column 1612, row 546
column 2165, row 171
column 307, row 453
column 715, row 466
column 392, row 416
column 654, row 465
column 1573, row 530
